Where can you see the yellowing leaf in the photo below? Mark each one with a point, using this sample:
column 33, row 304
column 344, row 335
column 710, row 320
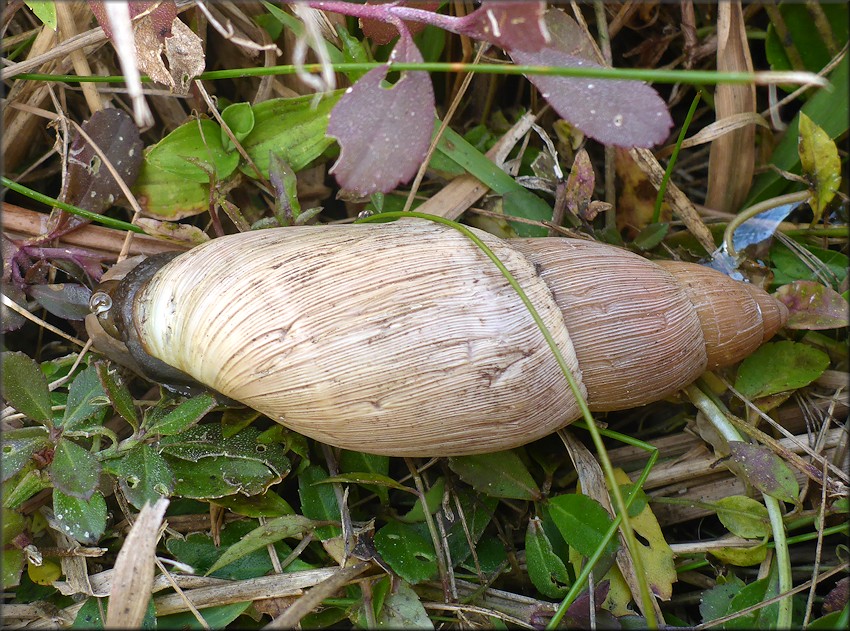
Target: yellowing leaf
column 657, row 557
column 821, row 165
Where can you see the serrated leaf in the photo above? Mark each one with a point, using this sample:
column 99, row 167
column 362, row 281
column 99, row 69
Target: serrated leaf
column 117, row 392
column 714, row 602
column 779, row 367
column 83, row 520
column 744, row 516
column 383, row 133
column 500, row 474
column 218, row 476
column 582, row 522
column 614, row 112
column 766, row 471
column 85, row 399
column 821, row 164
column 813, row 306
column 545, row 569
column 272, row 531
column 143, row 474
column 318, row 501
column 268, row 504
column 194, row 151
column 74, row 471
column 25, row 387
column 407, row 551
column 182, row 417
column 16, row 451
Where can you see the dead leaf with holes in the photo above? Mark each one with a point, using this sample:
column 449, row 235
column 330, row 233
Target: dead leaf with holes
column 183, row 51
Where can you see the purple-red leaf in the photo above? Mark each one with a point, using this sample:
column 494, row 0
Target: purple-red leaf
column 614, row 112
column 508, row 25
column 89, row 183
column 383, row 133
column 383, row 33
column 580, row 183
column 69, row 301
column 813, row 306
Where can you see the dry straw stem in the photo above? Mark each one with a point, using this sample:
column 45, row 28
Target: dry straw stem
column 134, row 569
column 732, row 159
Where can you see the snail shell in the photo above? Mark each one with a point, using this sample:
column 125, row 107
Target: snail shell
column 405, row 339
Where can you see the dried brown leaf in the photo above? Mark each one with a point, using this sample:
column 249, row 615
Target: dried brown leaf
column 732, row 159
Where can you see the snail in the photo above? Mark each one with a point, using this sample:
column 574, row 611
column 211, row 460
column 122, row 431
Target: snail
column 405, row 339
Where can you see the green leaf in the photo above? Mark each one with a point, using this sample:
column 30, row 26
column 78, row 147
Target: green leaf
column 218, row 476
column 469, row 516
column 207, row 441
column 143, row 474
column 45, row 10
column 268, row 504
column 500, row 474
column 545, row 569
column 291, row 128
column 407, row 551
column 200, row 551
column 744, row 516
column 374, row 480
column 748, row 596
column 519, row 202
column 239, row 117
column 18, row 447
column 805, row 42
column 715, row 602
column 214, row 617
column 272, row 531
column 194, row 151
column 74, row 470
column 83, row 520
column 358, row 462
column 828, row 108
column 86, row 398
column 170, row 196
column 582, row 522
column 402, row 609
column 779, row 367
column 116, row 390
column 89, row 615
column 789, row 267
column 651, row 235
column 25, row 387
column 821, row 164
column 183, row 416
column 433, row 499
column 762, row 468
column 318, row 501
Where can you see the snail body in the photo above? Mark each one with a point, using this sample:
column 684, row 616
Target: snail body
column 405, row 339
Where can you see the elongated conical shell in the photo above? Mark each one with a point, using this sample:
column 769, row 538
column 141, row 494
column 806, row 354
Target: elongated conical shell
column 736, row 317
column 636, row 333
column 400, row 339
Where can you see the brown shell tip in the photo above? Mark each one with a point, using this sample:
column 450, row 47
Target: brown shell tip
column 774, row 314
